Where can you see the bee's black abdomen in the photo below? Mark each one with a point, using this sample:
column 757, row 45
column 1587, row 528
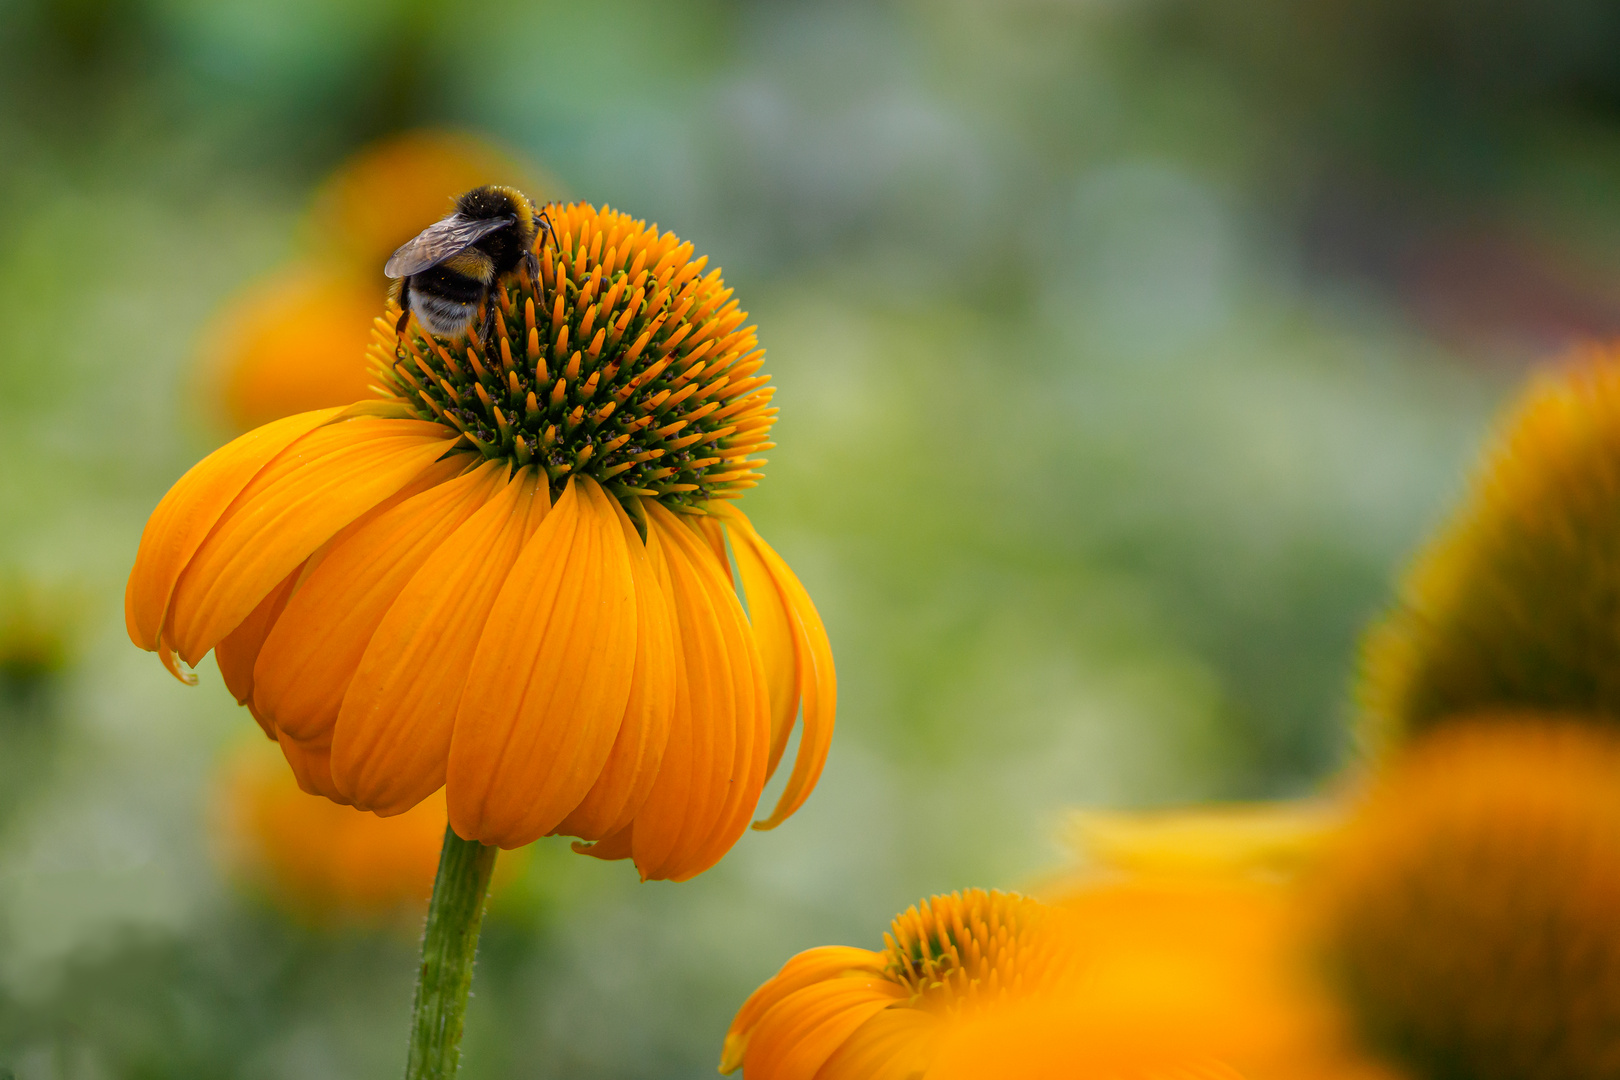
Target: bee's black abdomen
column 442, row 281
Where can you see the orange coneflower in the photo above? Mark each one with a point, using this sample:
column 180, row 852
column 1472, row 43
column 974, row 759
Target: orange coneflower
column 1138, row 980
column 851, row 1014
column 509, row 576
column 1468, row 910
column 1512, row 605
column 296, row 339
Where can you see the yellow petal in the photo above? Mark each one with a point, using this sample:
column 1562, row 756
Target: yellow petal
column 551, row 677
column 627, row 777
column 295, row 504
column 311, row 656
column 185, row 515
column 392, row 736
column 818, row 681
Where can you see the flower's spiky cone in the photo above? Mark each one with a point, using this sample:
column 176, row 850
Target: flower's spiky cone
column 625, row 362
column 1512, row 605
column 971, row 948
column 1468, row 909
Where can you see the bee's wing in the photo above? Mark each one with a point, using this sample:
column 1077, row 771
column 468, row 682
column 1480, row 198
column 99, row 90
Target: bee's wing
column 439, row 241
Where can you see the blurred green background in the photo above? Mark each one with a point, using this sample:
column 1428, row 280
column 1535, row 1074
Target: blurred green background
column 1124, row 348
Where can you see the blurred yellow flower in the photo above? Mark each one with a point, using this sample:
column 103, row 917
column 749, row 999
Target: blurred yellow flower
column 511, row 578
column 296, row 339
column 1467, row 913
column 1513, row 605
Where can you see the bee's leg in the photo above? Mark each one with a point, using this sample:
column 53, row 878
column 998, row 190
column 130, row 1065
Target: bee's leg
column 487, row 332
column 404, row 317
column 531, row 262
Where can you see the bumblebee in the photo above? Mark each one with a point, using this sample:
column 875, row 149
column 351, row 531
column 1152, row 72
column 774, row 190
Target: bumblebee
column 448, row 270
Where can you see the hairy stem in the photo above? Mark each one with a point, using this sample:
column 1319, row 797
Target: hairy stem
column 449, row 945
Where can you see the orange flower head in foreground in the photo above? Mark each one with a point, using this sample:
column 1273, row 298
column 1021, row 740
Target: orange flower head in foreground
column 1468, row 911
column 839, row 1013
column 296, row 339
column 512, row 576
column 1512, row 605
column 1131, row 981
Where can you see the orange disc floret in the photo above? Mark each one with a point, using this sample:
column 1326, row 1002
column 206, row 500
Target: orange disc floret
column 1512, row 605
column 408, row 599
column 1468, row 911
column 844, row 1014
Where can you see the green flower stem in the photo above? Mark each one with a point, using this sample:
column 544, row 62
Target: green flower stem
column 449, row 945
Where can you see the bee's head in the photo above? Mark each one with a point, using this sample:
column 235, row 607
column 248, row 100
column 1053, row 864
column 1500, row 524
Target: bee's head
column 496, row 201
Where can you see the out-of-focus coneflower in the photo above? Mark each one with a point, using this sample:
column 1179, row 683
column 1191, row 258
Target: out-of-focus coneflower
column 512, row 576
column 325, row 864
column 851, row 1014
column 1467, row 913
column 296, row 339
column 1512, row 606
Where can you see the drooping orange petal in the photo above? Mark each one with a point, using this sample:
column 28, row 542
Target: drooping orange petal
column 315, row 487
column 818, row 681
column 551, row 678
column 715, row 535
column 627, row 777
column 311, row 764
column 771, row 620
column 310, row 657
column 685, row 801
column 721, row 713
column 392, row 738
column 619, row 845
column 805, row 969
column 185, row 515
column 894, row 1044
column 237, row 651
column 797, row 1035
column 752, row 749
